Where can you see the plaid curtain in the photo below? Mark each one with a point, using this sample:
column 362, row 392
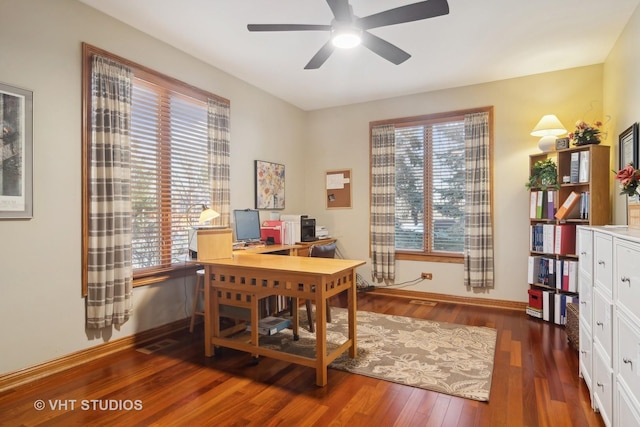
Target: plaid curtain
column 219, row 142
column 110, row 217
column 478, row 233
column 383, row 189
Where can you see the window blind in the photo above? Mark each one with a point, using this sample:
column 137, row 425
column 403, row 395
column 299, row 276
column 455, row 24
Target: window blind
column 430, row 184
column 169, row 174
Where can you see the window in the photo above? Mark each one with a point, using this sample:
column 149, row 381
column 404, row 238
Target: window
column 171, row 167
column 430, row 186
column 169, row 172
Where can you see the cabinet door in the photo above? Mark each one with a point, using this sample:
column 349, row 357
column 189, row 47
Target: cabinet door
column 586, row 299
column 627, row 276
column 603, row 262
column 628, row 355
column 626, row 414
column 586, row 358
column 602, row 323
column 585, row 250
column 603, row 388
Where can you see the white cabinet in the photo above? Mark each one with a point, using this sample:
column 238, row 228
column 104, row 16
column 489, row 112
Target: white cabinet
column 609, row 275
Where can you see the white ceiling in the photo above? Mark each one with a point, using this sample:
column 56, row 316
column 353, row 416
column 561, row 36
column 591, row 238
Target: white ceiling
column 477, row 42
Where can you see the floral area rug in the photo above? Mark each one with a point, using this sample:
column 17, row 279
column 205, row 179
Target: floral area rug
column 442, row 357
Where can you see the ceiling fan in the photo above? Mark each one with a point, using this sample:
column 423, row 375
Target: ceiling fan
column 349, row 30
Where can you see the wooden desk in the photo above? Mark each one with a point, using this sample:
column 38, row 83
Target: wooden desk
column 244, row 279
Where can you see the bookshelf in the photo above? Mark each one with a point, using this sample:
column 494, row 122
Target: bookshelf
column 580, row 198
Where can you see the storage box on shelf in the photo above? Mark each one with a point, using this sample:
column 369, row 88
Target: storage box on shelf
column 581, row 198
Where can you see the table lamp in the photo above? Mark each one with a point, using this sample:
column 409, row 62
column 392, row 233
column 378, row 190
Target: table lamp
column 549, row 128
column 207, row 214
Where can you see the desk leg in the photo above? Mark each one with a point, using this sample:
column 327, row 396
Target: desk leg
column 208, row 312
column 295, row 311
column 352, row 308
column 321, row 337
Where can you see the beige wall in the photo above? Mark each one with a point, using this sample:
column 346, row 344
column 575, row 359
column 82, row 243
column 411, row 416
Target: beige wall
column 622, row 98
column 339, row 139
column 41, row 311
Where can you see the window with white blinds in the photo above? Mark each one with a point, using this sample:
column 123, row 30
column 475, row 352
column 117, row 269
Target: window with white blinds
column 169, row 172
column 430, row 186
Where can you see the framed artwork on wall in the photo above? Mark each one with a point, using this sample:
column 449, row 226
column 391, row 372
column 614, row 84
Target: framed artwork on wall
column 16, row 152
column 269, row 185
column 628, row 146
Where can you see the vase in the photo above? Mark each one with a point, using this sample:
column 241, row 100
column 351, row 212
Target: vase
column 633, row 211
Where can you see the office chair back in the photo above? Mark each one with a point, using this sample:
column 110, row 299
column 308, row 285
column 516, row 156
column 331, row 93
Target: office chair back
column 323, row 251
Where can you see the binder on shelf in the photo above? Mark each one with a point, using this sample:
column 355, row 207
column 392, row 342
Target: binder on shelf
column 583, row 174
column 565, row 239
column 533, row 269
column 574, row 175
column 570, row 207
column 551, row 204
column 548, row 243
column 540, row 205
column 533, row 204
column 584, row 204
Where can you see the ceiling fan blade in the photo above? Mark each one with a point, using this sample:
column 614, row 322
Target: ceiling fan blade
column 408, row 13
column 320, row 57
column 384, row 48
column 288, row 27
column 340, row 9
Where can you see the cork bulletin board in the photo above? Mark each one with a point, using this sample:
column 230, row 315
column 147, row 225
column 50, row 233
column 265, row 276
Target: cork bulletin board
column 338, row 188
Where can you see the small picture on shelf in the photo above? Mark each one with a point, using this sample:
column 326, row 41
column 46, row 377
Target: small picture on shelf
column 562, row 143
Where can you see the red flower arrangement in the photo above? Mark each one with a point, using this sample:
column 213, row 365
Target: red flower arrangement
column 586, row 133
column 629, row 178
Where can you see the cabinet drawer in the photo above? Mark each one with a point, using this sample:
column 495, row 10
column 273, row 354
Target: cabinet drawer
column 586, row 299
column 586, row 356
column 603, row 262
column 585, row 250
column 603, row 388
column 628, row 355
column 627, row 276
column 626, row 413
column 602, row 323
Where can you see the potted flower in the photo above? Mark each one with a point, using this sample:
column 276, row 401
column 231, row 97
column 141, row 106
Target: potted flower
column 544, row 175
column 629, row 178
column 586, row 133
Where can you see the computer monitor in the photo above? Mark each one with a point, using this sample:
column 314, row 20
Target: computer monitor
column 247, row 225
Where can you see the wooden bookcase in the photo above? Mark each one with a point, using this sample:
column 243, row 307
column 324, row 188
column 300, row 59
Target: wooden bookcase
column 595, row 184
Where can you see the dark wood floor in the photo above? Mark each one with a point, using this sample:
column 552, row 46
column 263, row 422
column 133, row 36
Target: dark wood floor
column 535, row 383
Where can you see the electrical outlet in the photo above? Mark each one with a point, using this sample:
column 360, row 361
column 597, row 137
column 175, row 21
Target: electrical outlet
column 427, row 276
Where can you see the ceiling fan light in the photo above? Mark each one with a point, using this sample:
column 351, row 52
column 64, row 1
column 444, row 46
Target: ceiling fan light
column 346, row 38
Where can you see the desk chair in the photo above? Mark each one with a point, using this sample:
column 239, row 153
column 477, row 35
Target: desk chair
column 196, row 297
column 321, row 251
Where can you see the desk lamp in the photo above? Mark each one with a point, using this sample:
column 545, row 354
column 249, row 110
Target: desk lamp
column 207, row 214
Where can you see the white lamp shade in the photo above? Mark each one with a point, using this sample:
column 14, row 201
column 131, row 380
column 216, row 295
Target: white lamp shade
column 548, row 125
column 207, row 214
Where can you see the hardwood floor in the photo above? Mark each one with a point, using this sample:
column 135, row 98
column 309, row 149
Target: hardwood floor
column 535, row 383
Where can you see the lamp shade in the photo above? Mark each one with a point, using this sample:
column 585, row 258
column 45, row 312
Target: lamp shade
column 549, row 127
column 207, row 214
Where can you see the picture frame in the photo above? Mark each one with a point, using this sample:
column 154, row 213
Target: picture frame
column 562, row 143
column 628, row 146
column 269, row 185
column 16, row 152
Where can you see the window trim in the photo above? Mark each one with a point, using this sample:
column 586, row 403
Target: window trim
column 141, row 278
column 420, row 120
